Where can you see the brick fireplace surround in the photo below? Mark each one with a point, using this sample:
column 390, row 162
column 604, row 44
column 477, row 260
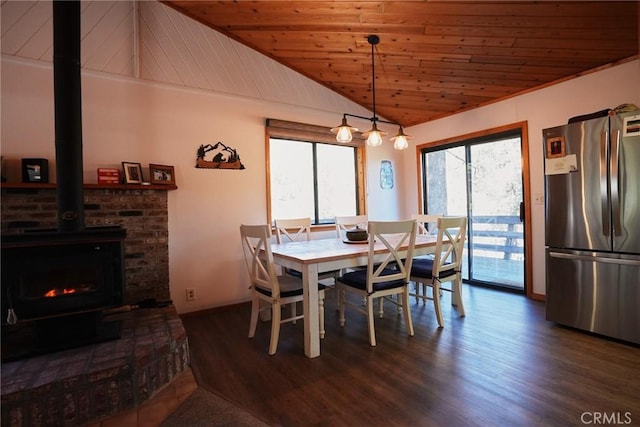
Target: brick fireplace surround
column 142, row 212
column 78, row 386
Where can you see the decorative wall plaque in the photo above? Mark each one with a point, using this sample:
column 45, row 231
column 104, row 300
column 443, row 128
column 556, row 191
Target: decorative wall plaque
column 220, row 156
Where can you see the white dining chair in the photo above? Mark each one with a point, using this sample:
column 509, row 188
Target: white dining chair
column 296, row 230
column 343, row 223
column 445, row 266
column 427, row 223
column 267, row 287
column 382, row 278
column 292, row 229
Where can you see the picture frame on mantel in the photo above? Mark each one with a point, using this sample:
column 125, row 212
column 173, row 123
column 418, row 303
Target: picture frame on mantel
column 162, row 174
column 132, row 173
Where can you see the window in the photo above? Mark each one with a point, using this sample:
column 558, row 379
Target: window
column 310, row 175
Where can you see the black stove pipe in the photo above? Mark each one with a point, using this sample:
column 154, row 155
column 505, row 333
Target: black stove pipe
column 68, row 115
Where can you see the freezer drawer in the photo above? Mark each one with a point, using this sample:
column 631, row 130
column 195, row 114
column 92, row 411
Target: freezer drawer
column 594, row 292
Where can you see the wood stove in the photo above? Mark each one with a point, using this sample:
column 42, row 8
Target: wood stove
column 59, row 281
column 50, row 274
column 55, row 287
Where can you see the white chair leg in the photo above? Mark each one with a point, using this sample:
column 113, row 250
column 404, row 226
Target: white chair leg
column 255, row 310
column 321, row 313
column 341, row 298
column 436, row 302
column 457, row 296
column 407, row 311
column 276, row 316
column 372, row 331
column 294, row 311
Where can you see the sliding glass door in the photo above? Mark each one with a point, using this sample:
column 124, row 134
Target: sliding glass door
column 482, row 180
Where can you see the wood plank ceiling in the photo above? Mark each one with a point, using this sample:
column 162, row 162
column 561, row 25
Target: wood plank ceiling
column 435, row 58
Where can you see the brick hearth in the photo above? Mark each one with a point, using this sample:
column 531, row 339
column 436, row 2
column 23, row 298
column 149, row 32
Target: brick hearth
column 89, row 383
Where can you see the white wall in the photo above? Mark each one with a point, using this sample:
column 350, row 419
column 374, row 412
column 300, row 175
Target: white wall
column 130, row 120
column 551, row 106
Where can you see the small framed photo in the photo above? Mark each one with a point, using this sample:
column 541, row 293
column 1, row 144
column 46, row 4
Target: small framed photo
column 555, row 147
column 132, row 173
column 35, row 170
column 162, row 174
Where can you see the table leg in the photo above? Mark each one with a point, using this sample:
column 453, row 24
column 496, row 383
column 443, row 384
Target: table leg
column 310, row 307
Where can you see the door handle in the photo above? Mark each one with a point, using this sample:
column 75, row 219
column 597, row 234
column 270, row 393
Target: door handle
column 615, row 183
column 590, row 258
column 521, row 211
column 604, row 184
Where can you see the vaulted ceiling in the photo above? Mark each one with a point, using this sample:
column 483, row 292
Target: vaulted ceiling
column 435, row 58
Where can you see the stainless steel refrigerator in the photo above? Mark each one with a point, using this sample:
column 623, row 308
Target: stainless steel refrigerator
column 592, row 214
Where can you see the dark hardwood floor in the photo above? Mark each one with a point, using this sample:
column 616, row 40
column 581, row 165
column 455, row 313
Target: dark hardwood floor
column 501, row 365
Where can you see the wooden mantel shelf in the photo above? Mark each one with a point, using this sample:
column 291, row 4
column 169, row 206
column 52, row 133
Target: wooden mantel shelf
column 24, row 185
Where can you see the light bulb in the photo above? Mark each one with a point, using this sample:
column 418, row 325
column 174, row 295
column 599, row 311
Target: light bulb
column 374, row 139
column 401, row 140
column 344, row 132
column 374, row 136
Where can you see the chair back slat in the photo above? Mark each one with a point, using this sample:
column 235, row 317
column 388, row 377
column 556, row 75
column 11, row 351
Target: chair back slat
column 256, row 245
column 427, row 223
column 294, row 229
column 343, row 223
column 404, row 233
column 450, row 244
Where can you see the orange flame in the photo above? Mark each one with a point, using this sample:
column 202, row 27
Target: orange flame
column 54, row 292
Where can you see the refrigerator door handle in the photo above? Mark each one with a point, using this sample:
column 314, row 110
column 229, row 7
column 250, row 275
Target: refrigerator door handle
column 604, row 188
column 615, row 200
column 595, row 259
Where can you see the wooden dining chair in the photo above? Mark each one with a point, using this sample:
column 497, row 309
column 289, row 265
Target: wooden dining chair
column 296, row 230
column 427, row 223
column 343, row 223
column 383, row 278
column 445, row 266
column 292, row 229
column 267, row 287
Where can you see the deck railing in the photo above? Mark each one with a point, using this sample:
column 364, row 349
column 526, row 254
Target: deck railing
column 503, row 235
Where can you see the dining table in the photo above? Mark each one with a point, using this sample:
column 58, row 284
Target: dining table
column 312, row 257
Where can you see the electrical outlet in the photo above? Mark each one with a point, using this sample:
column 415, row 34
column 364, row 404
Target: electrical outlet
column 539, row 199
column 191, row 294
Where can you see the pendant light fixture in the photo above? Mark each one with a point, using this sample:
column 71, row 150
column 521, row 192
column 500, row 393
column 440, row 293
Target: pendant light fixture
column 344, row 132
